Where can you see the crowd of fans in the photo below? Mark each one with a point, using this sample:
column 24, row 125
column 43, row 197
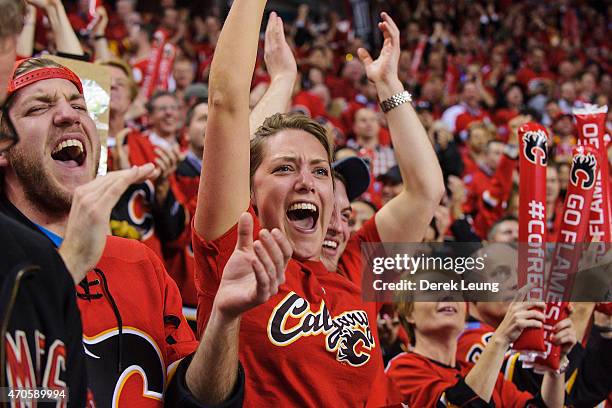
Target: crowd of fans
column 477, row 71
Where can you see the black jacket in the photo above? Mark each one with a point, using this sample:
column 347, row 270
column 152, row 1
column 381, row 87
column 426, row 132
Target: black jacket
column 41, row 323
column 69, row 325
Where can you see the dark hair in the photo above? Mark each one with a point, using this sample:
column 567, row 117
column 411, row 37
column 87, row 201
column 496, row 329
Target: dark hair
column 148, row 29
column 515, row 85
column 278, row 122
column 461, row 86
column 127, row 70
column 190, row 111
column 366, row 202
column 497, row 223
column 156, row 95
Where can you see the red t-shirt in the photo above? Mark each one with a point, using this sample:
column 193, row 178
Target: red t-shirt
column 424, row 382
column 311, row 345
column 155, row 335
column 351, row 265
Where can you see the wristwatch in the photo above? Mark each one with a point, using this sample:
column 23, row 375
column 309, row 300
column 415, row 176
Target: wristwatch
column 395, row 101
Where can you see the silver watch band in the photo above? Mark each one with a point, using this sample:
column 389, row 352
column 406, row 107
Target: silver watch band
column 395, row 101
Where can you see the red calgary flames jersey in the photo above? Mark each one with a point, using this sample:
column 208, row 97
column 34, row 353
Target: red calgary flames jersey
column 426, row 383
column 130, row 292
column 311, row 345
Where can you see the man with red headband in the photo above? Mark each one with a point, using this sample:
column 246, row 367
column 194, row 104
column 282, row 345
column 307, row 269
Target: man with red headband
column 40, row 319
column 42, row 337
column 139, row 348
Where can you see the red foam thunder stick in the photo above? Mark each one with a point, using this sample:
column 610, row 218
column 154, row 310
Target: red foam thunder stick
column 533, row 158
column 151, row 75
column 573, row 233
column 591, row 126
column 165, row 65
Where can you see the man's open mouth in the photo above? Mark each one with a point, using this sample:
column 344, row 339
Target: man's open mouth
column 330, row 244
column 303, row 216
column 70, row 151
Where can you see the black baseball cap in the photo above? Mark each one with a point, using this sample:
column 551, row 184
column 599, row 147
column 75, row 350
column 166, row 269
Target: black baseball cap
column 421, row 106
column 392, row 176
column 356, row 175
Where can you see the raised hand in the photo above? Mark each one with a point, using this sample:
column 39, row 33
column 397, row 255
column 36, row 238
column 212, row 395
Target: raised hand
column 277, row 53
column 514, row 124
column 254, row 271
column 520, row 316
column 88, row 222
column 100, row 27
column 120, row 152
column 42, row 3
column 166, row 162
column 384, row 68
column 564, row 335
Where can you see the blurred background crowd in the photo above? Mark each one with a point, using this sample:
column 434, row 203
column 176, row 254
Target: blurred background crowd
column 477, row 70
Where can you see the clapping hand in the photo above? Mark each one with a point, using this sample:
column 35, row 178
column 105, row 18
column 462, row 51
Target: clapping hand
column 384, row 68
column 255, row 270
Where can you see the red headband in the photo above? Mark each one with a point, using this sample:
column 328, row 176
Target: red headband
column 41, row 74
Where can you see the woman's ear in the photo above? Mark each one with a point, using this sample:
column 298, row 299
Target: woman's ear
column 253, row 201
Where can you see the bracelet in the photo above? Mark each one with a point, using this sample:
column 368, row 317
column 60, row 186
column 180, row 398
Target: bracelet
column 395, row 101
column 99, row 37
column 563, row 365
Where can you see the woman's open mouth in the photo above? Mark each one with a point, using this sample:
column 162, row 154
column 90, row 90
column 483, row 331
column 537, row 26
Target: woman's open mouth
column 303, row 216
column 446, row 309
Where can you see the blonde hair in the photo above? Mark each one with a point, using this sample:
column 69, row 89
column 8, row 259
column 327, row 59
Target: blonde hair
column 127, row 70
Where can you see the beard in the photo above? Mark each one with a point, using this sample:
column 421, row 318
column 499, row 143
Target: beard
column 38, row 186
